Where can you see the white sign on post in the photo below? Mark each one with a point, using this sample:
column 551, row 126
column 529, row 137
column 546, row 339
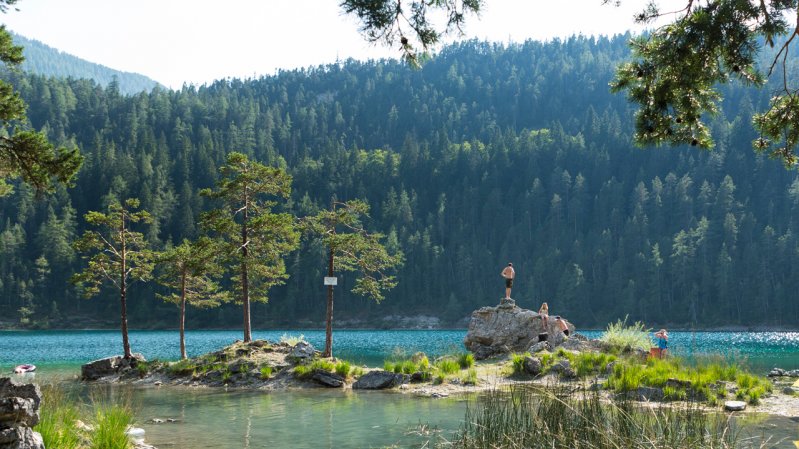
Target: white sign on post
column 331, row 280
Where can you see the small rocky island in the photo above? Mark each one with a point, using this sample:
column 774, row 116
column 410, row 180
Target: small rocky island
column 507, row 345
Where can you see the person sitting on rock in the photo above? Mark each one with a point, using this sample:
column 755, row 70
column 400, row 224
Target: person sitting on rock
column 543, row 312
column 562, row 325
column 663, row 342
column 508, row 274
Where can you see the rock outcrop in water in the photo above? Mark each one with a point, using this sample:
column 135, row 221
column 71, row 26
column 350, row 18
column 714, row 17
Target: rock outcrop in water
column 19, row 413
column 507, row 328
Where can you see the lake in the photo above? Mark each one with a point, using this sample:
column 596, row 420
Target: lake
column 331, row 419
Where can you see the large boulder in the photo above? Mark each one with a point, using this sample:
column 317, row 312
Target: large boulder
column 508, row 328
column 109, row 366
column 378, row 380
column 20, row 438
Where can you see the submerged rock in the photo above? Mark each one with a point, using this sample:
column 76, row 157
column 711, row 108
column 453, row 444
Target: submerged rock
column 378, row 380
column 508, row 328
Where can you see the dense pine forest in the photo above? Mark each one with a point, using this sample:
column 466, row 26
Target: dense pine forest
column 488, row 154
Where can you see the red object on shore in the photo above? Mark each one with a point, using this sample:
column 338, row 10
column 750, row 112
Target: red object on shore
column 22, row 369
column 655, row 353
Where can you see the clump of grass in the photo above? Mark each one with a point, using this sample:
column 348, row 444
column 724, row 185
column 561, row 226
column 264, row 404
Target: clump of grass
column 623, row 338
column 587, row 363
column 292, row 340
column 538, row 419
column 466, row 360
column 470, row 378
column 111, row 422
column 517, row 363
column 447, row 366
column 357, row 371
column 408, row 366
column 182, row 367
column 266, row 372
column 59, row 414
column 343, row 368
column 303, row 371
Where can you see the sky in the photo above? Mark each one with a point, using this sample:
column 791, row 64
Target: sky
column 198, row 41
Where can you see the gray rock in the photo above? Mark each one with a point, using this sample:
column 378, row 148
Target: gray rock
column 776, row 372
column 792, row 373
column 564, row 369
column 609, row 368
column 504, row 329
column 301, row 352
column 15, row 412
column 378, row 380
column 538, row 347
column 327, row 379
column 420, row 376
column 646, row 394
column 109, row 366
column 532, row 366
column 10, row 388
column 735, row 406
column 20, row 438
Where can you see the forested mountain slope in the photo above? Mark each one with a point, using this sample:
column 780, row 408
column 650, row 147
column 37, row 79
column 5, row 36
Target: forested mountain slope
column 44, row 60
column 488, row 154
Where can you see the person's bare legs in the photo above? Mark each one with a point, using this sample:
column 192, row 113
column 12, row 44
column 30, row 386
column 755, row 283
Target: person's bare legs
column 507, row 293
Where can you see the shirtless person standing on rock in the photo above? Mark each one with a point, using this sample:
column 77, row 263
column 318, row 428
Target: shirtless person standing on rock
column 508, row 274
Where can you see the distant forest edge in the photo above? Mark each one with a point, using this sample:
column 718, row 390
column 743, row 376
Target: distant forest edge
column 486, row 155
column 44, row 60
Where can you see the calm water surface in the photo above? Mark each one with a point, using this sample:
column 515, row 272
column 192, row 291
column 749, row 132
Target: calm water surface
column 328, row 419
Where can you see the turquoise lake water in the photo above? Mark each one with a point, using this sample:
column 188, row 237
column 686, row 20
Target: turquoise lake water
column 760, row 351
column 211, row 418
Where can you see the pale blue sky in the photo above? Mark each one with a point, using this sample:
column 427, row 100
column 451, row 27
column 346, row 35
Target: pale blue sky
column 198, row 41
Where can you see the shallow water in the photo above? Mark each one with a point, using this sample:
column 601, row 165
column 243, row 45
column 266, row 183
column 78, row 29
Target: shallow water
column 325, row 419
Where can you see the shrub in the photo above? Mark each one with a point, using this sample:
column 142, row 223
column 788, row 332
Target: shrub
column 621, row 337
column 292, row 340
column 302, row 371
column 466, row 360
column 266, row 372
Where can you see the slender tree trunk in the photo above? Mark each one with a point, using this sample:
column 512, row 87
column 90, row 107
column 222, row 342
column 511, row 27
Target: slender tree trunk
column 329, row 317
column 183, row 316
column 123, row 291
column 245, row 283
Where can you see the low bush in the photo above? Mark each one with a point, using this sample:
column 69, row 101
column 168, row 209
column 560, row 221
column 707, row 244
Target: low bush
column 292, row 340
column 266, row 372
column 623, row 338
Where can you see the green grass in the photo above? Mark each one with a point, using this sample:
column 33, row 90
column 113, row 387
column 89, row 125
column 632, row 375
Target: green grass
column 343, row 368
column 111, row 422
column 408, row 366
column 470, row 377
column 266, row 372
column 303, row 371
column 700, row 380
column 59, row 414
column 182, row 367
column 623, row 338
column 532, row 418
column 466, row 360
column 447, row 366
column 517, row 363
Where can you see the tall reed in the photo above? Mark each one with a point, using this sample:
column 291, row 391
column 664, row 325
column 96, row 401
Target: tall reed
column 533, row 418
